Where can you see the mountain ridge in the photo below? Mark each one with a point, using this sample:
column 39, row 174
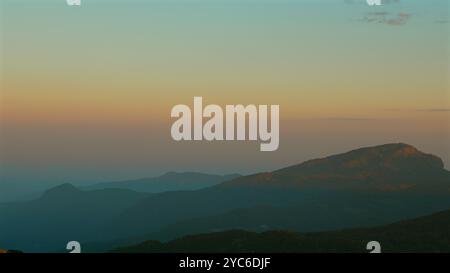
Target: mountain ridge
column 293, row 187
column 371, row 185
column 383, row 167
column 424, row 234
column 170, row 181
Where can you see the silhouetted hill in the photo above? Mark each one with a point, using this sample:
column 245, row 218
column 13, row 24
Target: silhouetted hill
column 425, row 234
column 171, row 181
column 340, row 211
column 61, row 214
column 390, row 167
column 366, row 186
column 62, row 191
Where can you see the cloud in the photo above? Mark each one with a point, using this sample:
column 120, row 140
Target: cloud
column 383, row 17
column 442, row 21
column 348, row 119
column 418, row 110
column 434, row 110
column 364, row 2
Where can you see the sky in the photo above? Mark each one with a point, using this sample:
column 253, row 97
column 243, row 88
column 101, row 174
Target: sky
column 86, row 92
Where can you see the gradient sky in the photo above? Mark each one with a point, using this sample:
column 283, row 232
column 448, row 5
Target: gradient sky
column 86, row 92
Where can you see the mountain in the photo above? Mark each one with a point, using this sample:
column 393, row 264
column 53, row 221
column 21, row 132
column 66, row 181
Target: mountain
column 390, row 167
column 353, row 210
column 60, row 215
column 424, row 234
column 361, row 188
column 367, row 186
column 171, row 181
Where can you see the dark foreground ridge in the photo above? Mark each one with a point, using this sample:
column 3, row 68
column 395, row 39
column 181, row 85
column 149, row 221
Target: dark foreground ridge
column 424, row 234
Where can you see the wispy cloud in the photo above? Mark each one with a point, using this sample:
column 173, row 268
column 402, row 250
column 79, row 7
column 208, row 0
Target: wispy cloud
column 349, row 119
column 364, row 2
column 383, row 17
column 418, row 110
column 433, row 110
column 442, row 21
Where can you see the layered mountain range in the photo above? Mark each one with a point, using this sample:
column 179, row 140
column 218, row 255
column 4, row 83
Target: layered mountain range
column 361, row 188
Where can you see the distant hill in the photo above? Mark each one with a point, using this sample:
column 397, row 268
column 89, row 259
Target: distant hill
column 340, row 211
column 61, row 214
column 425, row 234
column 171, row 181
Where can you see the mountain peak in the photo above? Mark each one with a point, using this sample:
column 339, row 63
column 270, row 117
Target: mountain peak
column 179, row 174
column 394, row 156
column 395, row 166
column 63, row 189
column 399, row 149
